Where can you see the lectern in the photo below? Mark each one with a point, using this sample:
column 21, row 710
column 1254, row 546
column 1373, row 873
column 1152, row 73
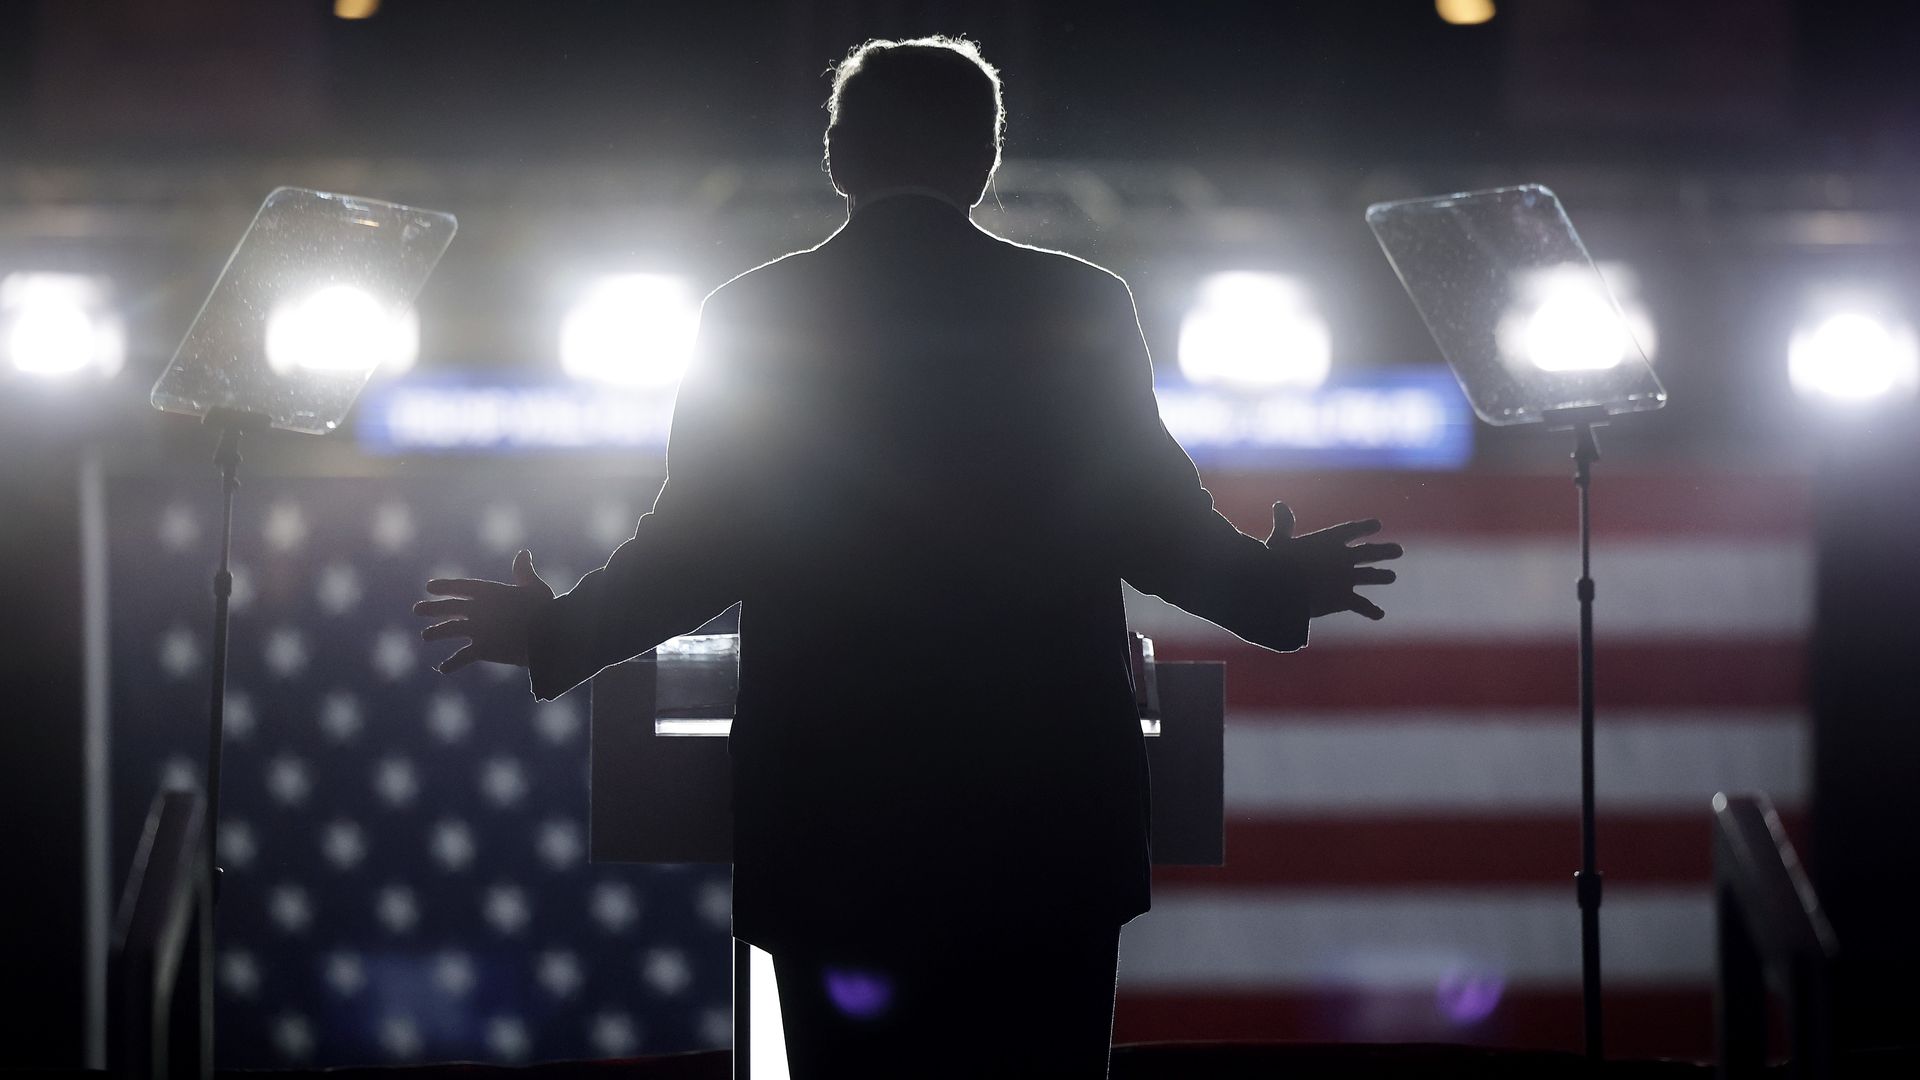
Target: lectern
column 661, row 786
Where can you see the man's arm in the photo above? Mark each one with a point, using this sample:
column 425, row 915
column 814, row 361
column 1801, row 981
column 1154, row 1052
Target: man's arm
column 681, row 566
column 1176, row 546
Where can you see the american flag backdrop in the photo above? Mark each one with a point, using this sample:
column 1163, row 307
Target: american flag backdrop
column 1402, row 797
column 405, row 853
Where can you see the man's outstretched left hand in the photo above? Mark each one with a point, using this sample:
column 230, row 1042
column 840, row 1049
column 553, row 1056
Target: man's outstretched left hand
column 492, row 615
column 1331, row 565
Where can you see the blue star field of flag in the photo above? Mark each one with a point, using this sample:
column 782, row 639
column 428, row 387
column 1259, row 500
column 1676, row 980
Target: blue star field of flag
column 405, row 853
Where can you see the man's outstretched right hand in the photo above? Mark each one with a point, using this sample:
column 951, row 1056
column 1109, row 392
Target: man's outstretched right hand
column 1330, row 565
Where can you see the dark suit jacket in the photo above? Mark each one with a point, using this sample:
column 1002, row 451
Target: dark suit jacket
column 923, row 458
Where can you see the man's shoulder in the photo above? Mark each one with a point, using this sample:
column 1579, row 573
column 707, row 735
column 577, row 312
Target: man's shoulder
column 1062, row 266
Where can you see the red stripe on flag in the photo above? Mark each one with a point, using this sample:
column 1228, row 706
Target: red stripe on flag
column 1726, row 675
column 1460, row 850
column 1655, row 505
column 1640, row 1022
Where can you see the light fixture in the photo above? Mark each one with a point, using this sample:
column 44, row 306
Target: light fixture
column 1852, row 354
column 1464, row 12
column 1254, row 331
column 59, row 324
column 356, row 9
column 343, row 330
column 631, row 330
column 1566, row 320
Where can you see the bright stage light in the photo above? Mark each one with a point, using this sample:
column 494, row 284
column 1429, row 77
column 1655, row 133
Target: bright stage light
column 631, row 329
column 1254, row 331
column 1566, row 320
column 59, row 324
column 341, row 330
column 1464, row 12
column 1853, row 356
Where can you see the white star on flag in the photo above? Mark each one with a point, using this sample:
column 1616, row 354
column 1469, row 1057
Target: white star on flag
column 393, row 653
column 287, row 780
column 340, row 716
column 392, row 528
column 610, row 524
column 506, row 908
column 613, row 906
column 290, row 908
column 237, row 847
column 338, row 589
column 667, row 971
column 344, row 844
column 286, row 652
column 400, row 1037
column 394, row 780
column 293, row 1037
column 556, row 721
column 558, row 972
column 448, row 717
column 507, row 1037
column 453, row 845
column 559, row 844
column 453, row 973
column 285, row 528
column 501, row 529
column 614, row 1034
column 179, row 528
column 345, row 972
column 503, row 781
column 239, row 973
column 396, row 909
column 237, row 716
column 179, row 652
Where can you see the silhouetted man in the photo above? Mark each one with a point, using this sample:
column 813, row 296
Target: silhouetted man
column 924, row 459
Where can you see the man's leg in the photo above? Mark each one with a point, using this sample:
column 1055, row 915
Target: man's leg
column 974, row 1002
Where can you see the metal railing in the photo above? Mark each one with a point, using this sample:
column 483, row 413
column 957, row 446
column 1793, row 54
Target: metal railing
column 160, row 970
column 1772, row 934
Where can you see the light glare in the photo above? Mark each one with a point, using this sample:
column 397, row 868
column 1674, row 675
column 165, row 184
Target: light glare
column 632, row 330
column 57, row 324
column 1567, row 321
column 340, row 330
column 1464, row 12
column 1254, row 331
column 1853, row 356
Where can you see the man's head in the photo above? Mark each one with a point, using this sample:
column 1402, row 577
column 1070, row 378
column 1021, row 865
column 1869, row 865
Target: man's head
column 918, row 113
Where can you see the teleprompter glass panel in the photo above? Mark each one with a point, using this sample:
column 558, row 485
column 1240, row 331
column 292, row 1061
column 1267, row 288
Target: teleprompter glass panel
column 317, row 295
column 1516, row 305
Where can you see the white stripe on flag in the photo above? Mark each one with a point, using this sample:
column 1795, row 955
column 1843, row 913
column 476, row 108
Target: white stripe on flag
column 1326, row 939
column 1504, row 591
column 1368, row 763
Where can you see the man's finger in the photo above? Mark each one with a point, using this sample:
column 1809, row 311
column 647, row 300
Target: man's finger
column 1347, row 530
column 523, row 568
column 452, row 628
column 1282, row 522
column 1366, row 607
column 1372, row 575
column 1367, row 553
column 442, row 607
column 458, row 660
column 471, row 588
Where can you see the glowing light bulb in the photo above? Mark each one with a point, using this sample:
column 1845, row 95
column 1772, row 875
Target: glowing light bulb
column 57, row 324
column 1254, row 331
column 1852, row 356
column 340, row 330
column 632, row 330
column 1464, row 12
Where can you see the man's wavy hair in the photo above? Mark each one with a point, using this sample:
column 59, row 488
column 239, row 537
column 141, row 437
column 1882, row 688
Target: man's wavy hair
column 922, row 112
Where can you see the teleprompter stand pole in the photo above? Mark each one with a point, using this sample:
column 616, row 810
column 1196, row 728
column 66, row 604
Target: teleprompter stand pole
column 1586, row 451
column 226, row 456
